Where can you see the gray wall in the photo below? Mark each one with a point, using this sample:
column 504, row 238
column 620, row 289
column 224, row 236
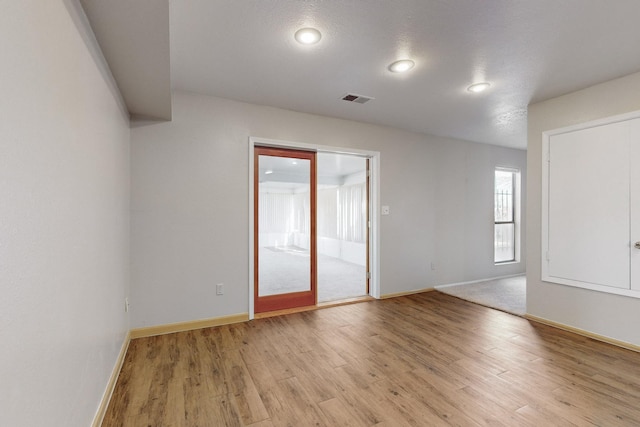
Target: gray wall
column 608, row 315
column 190, row 194
column 64, row 217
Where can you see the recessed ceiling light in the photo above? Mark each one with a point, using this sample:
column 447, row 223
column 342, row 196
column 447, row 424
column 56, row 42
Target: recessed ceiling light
column 478, row 87
column 268, row 172
column 308, row 36
column 401, row 66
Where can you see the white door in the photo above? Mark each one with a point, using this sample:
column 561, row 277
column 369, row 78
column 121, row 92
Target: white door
column 634, row 147
column 589, row 224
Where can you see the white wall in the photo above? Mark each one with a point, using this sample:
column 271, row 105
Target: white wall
column 64, row 162
column 190, row 204
column 604, row 314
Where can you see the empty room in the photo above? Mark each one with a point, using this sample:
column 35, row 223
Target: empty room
column 319, row 213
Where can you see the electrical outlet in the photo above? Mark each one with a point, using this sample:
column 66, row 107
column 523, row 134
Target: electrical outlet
column 126, row 305
column 220, row 289
column 433, row 265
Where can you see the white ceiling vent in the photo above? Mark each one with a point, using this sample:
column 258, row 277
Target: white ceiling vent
column 360, row 99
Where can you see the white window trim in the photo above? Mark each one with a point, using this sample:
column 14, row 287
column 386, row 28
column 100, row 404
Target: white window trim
column 517, row 204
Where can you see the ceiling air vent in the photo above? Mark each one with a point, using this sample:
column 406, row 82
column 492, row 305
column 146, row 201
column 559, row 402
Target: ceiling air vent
column 360, row 99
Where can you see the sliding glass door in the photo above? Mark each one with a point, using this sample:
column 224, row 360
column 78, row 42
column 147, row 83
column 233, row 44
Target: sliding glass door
column 342, row 226
column 284, row 229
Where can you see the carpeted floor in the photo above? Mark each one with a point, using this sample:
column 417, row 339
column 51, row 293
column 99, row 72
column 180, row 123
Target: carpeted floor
column 508, row 294
column 285, row 270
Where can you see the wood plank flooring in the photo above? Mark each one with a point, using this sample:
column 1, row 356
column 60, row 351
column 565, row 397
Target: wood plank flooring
column 422, row 360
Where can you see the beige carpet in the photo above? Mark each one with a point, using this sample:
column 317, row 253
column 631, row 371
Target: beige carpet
column 287, row 270
column 508, row 294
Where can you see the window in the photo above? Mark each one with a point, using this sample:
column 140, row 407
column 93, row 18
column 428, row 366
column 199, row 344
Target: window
column 506, row 215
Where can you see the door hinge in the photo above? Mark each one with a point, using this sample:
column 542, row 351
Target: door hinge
column 368, row 275
column 548, row 256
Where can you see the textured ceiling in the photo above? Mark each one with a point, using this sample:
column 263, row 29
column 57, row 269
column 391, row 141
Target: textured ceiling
column 528, row 50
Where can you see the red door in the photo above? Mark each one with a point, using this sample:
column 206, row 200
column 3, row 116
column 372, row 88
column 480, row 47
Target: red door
column 284, row 229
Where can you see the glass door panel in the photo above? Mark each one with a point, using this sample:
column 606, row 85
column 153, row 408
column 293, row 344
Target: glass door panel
column 342, row 226
column 285, row 229
column 284, row 237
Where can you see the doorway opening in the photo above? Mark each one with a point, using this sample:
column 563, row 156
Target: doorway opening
column 311, row 226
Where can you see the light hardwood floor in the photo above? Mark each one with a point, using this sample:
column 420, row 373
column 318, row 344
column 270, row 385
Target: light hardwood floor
column 422, row 360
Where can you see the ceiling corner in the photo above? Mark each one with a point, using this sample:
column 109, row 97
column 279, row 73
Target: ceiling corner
column 134, row 39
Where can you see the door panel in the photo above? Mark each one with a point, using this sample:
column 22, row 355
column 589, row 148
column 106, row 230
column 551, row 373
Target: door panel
column 368, row 207
column 634, row 159
column 285, row 223
column 588, row 175
column 342, row 226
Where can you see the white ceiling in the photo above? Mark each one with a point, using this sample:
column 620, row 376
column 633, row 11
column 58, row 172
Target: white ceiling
column 528, row 50
column 134, row 38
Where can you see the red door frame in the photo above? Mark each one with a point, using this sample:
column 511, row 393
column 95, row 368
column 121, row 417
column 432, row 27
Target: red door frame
column 293, row 299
